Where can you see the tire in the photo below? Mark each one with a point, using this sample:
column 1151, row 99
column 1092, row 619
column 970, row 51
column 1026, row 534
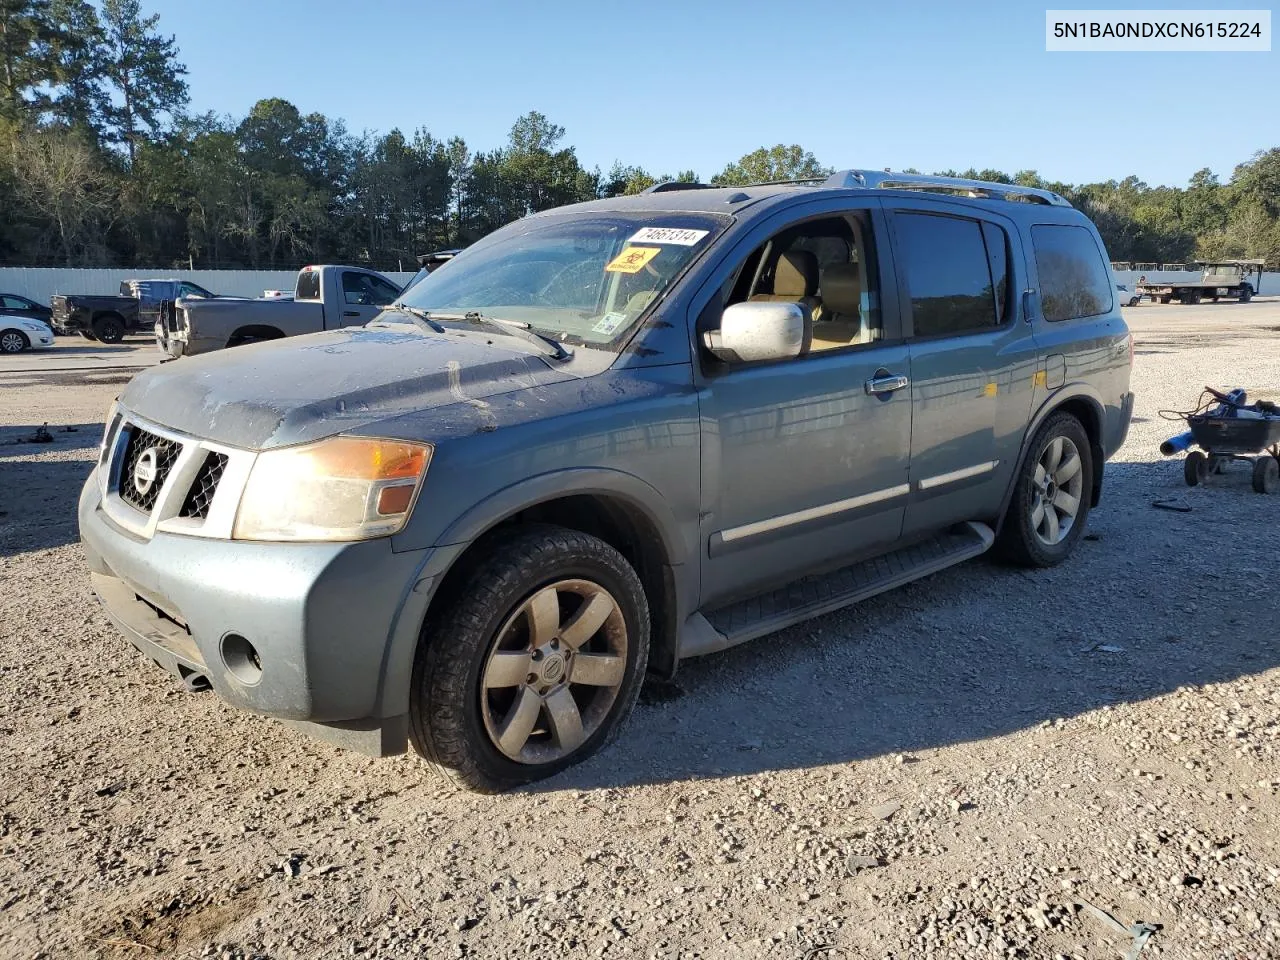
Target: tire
column 1021, row 540
column 1195, row 468
column 14, row 341
column 458, row 719
column 109, row 329
column 1246, row 294
column 1266, row 474
column 1133, row 301
column 1190, row 299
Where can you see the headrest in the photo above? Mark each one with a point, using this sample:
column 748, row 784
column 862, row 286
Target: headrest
column 842, row 289
column 796, row 275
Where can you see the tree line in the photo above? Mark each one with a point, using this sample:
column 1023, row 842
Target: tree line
column 102, row 163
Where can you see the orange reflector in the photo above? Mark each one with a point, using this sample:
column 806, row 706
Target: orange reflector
column 361, row 459
column 394, row 500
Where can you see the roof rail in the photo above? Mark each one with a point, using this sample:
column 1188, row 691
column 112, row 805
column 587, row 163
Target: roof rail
column 668, row 185
column 887, row 180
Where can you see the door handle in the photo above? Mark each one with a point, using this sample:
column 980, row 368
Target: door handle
column 886, row 384
column 351, row 313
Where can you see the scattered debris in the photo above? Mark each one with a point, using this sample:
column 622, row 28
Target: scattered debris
column 1173, row 504
column 856, row 863
column 884, row 811
column 1105, row 648
column 1141, row 931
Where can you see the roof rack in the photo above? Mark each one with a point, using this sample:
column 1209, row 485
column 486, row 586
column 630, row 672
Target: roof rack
column 887, row 180
column 668, row 185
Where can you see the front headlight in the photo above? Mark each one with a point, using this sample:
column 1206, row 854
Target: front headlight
column 35, row 325
column 344, row 488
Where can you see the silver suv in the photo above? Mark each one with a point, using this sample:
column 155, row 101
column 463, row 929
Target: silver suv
column 604, row 439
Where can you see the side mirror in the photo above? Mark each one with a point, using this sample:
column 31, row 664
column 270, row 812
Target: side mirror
column 760, row 331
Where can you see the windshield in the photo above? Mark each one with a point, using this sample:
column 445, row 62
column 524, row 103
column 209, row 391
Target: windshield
column 586, row 279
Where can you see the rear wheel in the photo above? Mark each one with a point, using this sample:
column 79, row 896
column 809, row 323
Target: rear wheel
column 1266, row 474
column 1246, row 294
column 109, row 329
column 1050, row 504
column 535, row 666
column 1191, row 298
column 1195, row 468
column 13, row 341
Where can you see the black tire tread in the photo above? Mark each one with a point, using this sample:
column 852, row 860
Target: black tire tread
column 1016, row 543
column 450, row 640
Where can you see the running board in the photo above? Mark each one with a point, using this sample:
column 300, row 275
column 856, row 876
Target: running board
column 815, row 595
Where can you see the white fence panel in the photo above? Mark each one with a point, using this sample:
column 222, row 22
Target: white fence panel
column 41, row 283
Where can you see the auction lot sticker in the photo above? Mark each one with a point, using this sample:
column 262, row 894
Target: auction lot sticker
column 678, row 236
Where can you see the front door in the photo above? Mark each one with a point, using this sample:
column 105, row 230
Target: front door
column 804, row 461
column 364, row 295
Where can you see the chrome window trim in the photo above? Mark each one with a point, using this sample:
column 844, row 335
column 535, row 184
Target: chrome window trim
column 812, row 513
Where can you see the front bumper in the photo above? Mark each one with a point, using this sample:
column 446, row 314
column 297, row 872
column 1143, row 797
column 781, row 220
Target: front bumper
column 334, row 626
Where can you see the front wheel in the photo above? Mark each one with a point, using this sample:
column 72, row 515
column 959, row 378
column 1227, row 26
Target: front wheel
column 1050, row 504
column 1195, row 468
column 1266, row 474
column 535, row 666
column 13, row 341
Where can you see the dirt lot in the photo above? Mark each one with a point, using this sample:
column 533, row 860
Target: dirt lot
column 950, row 770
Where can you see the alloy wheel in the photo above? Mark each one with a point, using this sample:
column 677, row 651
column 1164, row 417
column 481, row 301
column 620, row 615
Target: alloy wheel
column 554, row 671
column 1057, row 486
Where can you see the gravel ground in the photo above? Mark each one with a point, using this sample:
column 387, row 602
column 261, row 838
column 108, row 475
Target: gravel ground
column 952, row 770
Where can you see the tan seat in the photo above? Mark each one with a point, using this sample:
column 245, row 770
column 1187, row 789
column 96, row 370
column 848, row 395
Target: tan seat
column 841, row 321
column 795, row 280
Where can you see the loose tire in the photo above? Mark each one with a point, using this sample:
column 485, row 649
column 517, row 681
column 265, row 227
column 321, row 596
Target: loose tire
column 535, row 666
column 1195, row 468
column 14, row 341
column 1266, row 474
column 1051, row 495
column 108, row 329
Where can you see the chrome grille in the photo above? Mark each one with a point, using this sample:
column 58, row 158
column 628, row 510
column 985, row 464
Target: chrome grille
column 133, row 491
column 203, row 487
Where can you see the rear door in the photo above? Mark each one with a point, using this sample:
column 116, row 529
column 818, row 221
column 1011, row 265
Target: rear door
column 973, row 358
column 364, row 295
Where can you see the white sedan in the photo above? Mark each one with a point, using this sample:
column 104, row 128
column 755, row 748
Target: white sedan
column 23, row 333
column 1127, row 296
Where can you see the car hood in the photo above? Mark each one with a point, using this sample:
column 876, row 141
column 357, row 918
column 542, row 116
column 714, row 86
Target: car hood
column 307, row 388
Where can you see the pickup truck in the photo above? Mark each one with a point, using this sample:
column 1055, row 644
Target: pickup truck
column 108, row 318
column 326, row 297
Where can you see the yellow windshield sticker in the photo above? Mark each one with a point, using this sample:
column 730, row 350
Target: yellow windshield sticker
column 632, row 260
column 990, row 390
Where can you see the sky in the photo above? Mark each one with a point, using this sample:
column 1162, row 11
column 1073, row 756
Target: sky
column 696, row 84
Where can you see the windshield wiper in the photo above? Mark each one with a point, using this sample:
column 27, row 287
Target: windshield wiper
column 418, row 314
column 519, row 328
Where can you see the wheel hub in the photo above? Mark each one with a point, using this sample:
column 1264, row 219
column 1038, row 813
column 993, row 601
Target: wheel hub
column 554, row 671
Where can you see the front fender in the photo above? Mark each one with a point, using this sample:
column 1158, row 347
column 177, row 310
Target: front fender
column 574, row 481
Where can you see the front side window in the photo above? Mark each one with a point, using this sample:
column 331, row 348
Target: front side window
column 828, row 268
column 948, row 272
column 584, row 279
column 1074, row 280
column 191, row 290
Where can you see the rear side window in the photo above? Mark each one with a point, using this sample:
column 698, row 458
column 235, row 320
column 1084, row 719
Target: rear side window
column 1074, row 281
column 308, row 285
column 948, row 274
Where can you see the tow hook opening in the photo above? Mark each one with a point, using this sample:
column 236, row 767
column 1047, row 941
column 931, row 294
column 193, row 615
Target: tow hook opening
column 241, row 659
